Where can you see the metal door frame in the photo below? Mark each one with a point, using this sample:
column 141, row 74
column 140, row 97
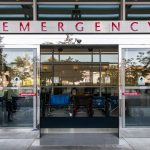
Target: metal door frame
column 126, row 131
column 36, row 99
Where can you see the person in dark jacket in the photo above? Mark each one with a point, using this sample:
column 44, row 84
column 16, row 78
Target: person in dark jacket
column 8, row 99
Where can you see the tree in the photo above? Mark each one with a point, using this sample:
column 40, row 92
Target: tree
column 2, row 57
column 21, row 67
column 145, row 60
column 137, row 65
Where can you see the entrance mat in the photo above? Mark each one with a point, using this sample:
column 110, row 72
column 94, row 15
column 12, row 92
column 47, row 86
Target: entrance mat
column 81, row 122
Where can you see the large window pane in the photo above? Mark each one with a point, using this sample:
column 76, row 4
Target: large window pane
column 76, row 74
column 137, row 93
column 16, row 12
column 109, row 74
column 77, row 12
column 138, row 108
column 49, row 58
column 110, row 58
column 111, row 94
column 138, row 12
column 96, row 57
column 75, row 58
column 46, row 75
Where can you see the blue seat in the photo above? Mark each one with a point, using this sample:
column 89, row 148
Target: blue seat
column 99, row 102
column 60, row 100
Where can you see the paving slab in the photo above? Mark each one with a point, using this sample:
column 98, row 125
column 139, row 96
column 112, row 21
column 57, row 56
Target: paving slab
column 15, row 144
column 75, row 141
column 139, row 143
column 80, row 141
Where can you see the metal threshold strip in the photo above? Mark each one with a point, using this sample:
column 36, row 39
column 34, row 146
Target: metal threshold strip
column 78, row 130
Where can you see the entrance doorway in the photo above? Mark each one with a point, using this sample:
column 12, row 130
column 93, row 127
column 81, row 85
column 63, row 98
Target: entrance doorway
column 79, row 86
column 17, row 82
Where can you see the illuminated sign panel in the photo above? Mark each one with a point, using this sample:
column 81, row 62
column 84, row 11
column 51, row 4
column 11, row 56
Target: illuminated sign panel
column 75, row 27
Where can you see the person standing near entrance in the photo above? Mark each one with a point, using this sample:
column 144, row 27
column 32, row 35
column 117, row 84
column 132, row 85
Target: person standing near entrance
column 8, row 100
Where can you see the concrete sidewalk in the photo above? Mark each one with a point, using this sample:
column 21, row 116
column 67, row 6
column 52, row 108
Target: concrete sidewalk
column 76, row 142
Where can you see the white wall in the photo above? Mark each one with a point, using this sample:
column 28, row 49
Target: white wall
column 86, row 38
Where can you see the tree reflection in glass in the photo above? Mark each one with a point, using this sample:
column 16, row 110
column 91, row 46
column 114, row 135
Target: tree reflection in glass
column 137, row 66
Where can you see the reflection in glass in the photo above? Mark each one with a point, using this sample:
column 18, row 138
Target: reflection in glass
column 137, row 78
column 138, row 108
column 76, row 74
column 96, row 57
column 75, row 58
column 18, row 65
column 111, row 94
column 16, row 71
column 137, row 67
column 22, row 12
column 109, row 74
column 111, row 58
column 46, row 74
column 17, row 110
column 95, row 83
column 49, row 58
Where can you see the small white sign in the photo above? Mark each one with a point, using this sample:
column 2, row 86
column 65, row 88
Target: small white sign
column 16, row 81
column 141, row 80
column 56, row 79
column 107, row 79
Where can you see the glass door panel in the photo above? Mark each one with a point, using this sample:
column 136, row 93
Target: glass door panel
column 88, row 71
column 137, row 86
column 18, row 82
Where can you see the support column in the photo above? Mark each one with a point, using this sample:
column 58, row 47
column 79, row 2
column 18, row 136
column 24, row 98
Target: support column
column 122, row 10
column 34, row 10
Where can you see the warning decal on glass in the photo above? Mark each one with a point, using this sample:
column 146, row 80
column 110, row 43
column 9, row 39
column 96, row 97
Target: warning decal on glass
column 131, row 93
column 27, row 94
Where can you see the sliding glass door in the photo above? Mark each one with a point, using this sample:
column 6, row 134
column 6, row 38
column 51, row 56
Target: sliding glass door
column 135, row 87
column 18, row 96
column 85, row 79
